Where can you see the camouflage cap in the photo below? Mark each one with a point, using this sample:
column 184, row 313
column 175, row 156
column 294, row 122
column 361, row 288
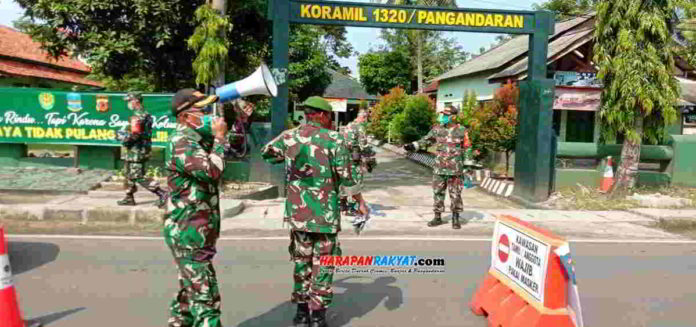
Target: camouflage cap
column 317, row 103
column 134, row 95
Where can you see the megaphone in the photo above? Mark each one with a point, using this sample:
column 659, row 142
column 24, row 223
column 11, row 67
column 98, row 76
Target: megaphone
column 260, row 82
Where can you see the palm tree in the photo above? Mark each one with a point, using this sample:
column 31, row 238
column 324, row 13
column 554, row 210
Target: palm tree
column 419, row 34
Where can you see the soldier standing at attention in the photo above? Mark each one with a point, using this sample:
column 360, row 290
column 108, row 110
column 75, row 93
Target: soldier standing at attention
column 362, row 154
column 194, row 160
column 138, row 144
column 317, row 165
column 451, row 141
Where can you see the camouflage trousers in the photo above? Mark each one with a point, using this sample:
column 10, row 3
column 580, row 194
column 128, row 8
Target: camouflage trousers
column 135, row 174
column 440, row 184
column 312, row 282
column 197, row 303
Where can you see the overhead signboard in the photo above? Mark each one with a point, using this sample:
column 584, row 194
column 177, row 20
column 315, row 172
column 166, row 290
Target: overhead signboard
column 391, row 16
column 577, row 99
column 581, row 79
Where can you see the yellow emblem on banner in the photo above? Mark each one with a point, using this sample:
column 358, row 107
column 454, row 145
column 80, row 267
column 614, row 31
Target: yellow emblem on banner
column 47, row 100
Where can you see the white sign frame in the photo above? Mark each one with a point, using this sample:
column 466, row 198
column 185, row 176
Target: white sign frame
column 502, row 268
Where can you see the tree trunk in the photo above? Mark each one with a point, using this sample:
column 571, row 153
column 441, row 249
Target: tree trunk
column 220, row 5
column 630, row 157
column 419, row 59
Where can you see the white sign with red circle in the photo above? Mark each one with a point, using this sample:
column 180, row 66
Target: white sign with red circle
column 503, row 248
column 520, row 257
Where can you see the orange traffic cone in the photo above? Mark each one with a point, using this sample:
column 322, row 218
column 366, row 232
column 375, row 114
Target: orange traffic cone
column 607, row 180
column 9, row 308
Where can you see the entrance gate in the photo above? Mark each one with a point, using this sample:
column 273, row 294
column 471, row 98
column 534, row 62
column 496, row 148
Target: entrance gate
column 534, row 155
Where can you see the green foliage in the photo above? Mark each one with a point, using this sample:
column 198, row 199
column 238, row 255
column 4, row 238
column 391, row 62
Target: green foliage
column 210, row 43
column 415, row 121
column 143, row 44
column 438, row 53
column 384, row 112
column 494, row 125
column 567, row 9
column 635, row 55
column 308, row 62
column 382, row 71
column 468, row 108
column 119, row 38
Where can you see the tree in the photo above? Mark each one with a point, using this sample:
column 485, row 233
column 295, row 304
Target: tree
column 438, row 54
column 566, row 9
column 117, row 37
column 419, row 38
column 381, row 71
column 131, row 44
column 494, row 126
column 210, row 44
column 415, row 121
column 383, row 113
column 635, row 54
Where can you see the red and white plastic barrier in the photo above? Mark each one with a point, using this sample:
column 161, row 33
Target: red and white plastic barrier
column 531, row 281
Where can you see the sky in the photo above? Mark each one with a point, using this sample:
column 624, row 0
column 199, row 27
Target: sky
column 363, row 39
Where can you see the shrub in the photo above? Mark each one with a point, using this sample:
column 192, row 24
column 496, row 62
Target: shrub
column 389, row 106
column 418, row 118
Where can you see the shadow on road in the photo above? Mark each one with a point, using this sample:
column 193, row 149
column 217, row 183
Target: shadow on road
column 472, row 215
column 357, row 300
column 50, row 318
column 25, row 256
column 360, row 299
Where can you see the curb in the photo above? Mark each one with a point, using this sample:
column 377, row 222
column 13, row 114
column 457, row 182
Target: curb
column 498, row 187
column 130, row 215
column 636, row 211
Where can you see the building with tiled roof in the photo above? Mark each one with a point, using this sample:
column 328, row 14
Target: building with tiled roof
column 24, row 64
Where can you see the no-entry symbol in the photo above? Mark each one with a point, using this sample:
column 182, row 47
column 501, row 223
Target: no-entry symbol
column 503, row 248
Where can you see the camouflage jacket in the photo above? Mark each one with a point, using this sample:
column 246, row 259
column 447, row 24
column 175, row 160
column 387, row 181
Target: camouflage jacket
column 450, row 141
column 139, row 145
column 236, row 139
column 195, row 168
column 356, row 140
column 317, row 164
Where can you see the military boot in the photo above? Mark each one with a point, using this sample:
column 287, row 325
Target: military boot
column 163, row 197
column 455, row 221
column 302, row 315
column 437, row 221
column 127, row 201
column 319, row 319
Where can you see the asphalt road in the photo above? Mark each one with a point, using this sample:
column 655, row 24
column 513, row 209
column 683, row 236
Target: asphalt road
column 88, row 282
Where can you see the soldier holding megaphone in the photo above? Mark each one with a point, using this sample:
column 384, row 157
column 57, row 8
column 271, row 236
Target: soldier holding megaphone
column 195, row 161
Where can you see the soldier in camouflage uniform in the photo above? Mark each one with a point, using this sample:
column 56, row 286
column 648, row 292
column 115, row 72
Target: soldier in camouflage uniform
column 317, row 165
column 362, row 154
column 239, row 126
column 138, row 144
column 451, row 140
column 194, row 160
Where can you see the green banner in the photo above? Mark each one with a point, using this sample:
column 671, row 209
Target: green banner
column 395, row 16
column 76, row 118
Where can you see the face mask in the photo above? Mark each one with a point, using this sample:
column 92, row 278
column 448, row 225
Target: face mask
column 205, row 129
column 443, row 119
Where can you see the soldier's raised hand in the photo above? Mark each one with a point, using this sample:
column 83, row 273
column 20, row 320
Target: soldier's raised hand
column 219, row 127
